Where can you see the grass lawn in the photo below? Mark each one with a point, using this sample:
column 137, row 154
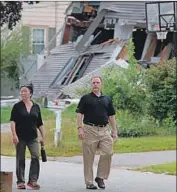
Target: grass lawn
column 71, row 145
column 167, row 168
column 5, row 114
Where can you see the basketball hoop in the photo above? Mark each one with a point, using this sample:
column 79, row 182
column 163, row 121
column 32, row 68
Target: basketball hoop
column 161, row 35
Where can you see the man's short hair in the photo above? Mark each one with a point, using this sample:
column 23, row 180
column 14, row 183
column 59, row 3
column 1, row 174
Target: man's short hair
column 97, row 77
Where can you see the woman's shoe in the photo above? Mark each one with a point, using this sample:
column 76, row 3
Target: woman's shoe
column 33, row 185
column 21, row 186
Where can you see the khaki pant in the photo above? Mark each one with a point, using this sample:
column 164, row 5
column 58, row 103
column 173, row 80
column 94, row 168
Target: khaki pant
column 97, row 138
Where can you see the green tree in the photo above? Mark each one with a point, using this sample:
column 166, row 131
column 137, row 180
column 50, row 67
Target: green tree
column 11, row 12
column 14, row 45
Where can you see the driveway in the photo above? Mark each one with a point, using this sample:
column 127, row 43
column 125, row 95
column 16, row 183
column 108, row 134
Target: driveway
column 68, row 177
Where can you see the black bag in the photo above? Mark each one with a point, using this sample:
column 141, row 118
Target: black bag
column 43, row 154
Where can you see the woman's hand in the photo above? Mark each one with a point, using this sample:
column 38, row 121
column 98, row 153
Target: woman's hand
column 42, row 141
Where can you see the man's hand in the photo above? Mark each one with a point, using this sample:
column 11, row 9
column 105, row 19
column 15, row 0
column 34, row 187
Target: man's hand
column 112, row 121
column 81, row 134
column 15, row 139
column 114, row 136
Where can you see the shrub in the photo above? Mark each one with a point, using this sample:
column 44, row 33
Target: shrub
column 127, row 91
column 137, row 126
column 161, row 85
column 126, row 86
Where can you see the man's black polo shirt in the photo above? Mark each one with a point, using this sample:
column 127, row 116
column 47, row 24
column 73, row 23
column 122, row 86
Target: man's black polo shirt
column 95, row 109
column 26, row 124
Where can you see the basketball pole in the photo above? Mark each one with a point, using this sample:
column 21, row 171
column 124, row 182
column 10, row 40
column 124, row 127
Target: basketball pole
column 175, row 33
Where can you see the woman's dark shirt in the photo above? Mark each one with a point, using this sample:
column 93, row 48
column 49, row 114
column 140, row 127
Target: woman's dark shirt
column 26, row 123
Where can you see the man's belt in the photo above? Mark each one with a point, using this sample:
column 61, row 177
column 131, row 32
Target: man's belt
column 95, row 125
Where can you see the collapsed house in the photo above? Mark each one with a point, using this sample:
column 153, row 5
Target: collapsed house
column 95, row 36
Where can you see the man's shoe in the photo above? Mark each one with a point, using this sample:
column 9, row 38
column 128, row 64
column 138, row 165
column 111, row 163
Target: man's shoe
column 91, row 186
column 100, row 182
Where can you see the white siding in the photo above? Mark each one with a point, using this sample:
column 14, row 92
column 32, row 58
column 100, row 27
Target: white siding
column 45, row 15
column 41, row 14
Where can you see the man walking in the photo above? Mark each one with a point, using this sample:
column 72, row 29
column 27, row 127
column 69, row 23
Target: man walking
column 95, row 111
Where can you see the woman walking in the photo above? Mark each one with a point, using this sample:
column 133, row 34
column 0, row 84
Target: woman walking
column 25, row 120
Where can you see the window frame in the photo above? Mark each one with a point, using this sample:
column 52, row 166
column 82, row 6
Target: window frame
column 45, row 40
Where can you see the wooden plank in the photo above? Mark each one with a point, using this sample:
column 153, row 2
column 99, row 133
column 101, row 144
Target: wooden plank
column 85, row 66
column 165, row 54
column 151, row 49
column 66, row 36
column 6, row 181
column 74, row 71
column 123, row 54
column 91, row 29
column 147, row 42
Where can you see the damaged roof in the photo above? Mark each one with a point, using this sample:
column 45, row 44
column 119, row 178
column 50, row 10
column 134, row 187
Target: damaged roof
column 99, row 61
column 132, row 11
column 52, row 66
column 44, row 80
column 102, row 48
column 102, row 54
column 72, row 89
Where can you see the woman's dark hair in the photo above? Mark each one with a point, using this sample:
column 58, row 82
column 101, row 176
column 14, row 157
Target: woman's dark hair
column 30, row 87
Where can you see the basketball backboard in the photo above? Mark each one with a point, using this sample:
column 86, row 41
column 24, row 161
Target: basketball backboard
column 160, row 16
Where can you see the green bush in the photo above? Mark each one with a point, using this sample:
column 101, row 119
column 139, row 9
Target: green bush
column 169, row 125
column 126, row 86
column 161, row 86
column 126, row 89
column 130, row 126
column 137, row 126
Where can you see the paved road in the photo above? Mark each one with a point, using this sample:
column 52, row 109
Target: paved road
column 68, row 177
column 131, row 160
